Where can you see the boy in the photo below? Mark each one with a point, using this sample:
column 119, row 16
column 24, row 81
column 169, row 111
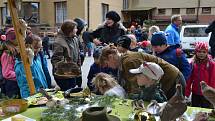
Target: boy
column 148, row 76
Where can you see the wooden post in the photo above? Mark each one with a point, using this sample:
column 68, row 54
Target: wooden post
column 20, row 39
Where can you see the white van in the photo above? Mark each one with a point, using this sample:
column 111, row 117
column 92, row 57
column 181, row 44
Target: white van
column 190, row 34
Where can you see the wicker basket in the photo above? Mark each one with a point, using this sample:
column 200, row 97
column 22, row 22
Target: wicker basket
column 67, row 69
column 13, row 106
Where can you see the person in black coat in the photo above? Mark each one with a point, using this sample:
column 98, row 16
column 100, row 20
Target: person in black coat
column 110, row 31
column 211, row 28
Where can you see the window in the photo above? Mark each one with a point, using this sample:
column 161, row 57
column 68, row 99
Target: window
column 161, row 11
column 206, row 10
column 105, row 9
column 190, row 11
column 125, row 4
column 30, row 12
column 176, row 11
column 3, row 15
column 60, row 12
column 195, row 32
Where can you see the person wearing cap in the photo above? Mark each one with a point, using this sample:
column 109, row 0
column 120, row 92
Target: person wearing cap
column 174, row 56
column 128, row 43
column 173, row 31
column 148, row 76
column 123, row 44
column 81, row 28
column 110, row 31
column 203, row 68
column 110, row 58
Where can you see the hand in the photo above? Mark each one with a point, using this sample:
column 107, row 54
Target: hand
column 57, row 88
column 30, row 54
column 96, row 42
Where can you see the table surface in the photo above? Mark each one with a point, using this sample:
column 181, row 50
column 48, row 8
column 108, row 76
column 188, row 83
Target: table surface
column 121, row 110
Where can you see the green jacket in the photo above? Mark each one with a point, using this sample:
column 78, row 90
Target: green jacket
column 133, row 60
column 149, row 93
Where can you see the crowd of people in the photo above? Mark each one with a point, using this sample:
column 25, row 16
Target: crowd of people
column 134, row 63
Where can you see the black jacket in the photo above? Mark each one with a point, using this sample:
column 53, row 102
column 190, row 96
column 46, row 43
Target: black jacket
column 211, row 28
column 109, row 34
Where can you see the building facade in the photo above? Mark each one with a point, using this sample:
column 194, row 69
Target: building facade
column 53, row 12
column 192, row 11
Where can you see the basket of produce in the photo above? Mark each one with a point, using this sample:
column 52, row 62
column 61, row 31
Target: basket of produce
column 13, row 106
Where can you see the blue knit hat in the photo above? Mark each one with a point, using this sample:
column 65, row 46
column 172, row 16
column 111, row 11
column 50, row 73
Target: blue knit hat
column 158, row 38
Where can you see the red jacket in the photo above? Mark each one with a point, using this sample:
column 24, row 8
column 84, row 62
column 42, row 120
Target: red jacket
column 200, row 72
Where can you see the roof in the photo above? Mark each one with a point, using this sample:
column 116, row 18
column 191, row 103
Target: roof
column 138, row 9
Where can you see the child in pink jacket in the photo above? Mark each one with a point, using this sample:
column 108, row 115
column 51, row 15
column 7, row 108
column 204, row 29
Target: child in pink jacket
column 203, row 68
column 8, row 62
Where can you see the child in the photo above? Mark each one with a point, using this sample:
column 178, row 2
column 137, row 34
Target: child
column 203, row 68
column 38, row 75
column 8, row 62
column 96, row 68
column 152, row 30
column 107, row 85
column 148, row 76
column 133, row 45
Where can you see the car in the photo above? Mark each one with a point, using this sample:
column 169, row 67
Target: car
column 190, row 34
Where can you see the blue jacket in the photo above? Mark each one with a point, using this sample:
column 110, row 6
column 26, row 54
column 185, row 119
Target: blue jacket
column 180, row 62
column 95, row 69
column 38, row 76
column 45, row 68
column 173, row 37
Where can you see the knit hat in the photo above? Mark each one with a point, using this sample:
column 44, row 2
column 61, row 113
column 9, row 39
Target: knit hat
column 113, row 16
column 201, row 45
column 97, row 51
column 10, row 34
column 97, row 114
column 158, row 38
column 124, row 41
column 81, row 24
column 150, row 69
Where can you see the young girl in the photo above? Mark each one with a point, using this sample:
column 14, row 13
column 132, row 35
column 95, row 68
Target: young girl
column 203, row 69
column 107, row 85
column 38, row 74
column 8, row 62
